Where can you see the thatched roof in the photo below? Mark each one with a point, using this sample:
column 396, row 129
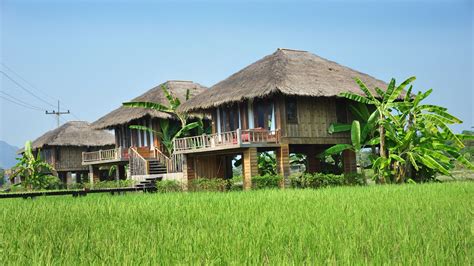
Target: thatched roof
column 124, row 115
column 74, row 133
column 289, row 72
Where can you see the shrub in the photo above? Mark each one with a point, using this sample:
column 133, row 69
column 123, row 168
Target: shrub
column 111, row 184
column 317, row 180
column 266, row 181
column 208, row 184
column 236, row 183
column 355, row 179
column 166, row 186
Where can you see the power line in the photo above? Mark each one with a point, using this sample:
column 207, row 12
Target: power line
column 22, row 102
column 25, row 89
column 33, row 87
column 27, row 82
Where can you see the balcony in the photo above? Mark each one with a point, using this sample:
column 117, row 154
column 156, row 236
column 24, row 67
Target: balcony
column 105, row 156
column 227, row 140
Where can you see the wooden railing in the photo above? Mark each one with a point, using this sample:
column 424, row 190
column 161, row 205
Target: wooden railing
column 102, row 155
column 138, row 165
column 173, row 164
column 230, row 139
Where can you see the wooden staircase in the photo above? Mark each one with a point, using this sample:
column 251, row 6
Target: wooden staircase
column 155, row 174
column 148, row 166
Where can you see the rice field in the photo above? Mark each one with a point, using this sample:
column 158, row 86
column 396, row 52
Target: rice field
column 409, row 224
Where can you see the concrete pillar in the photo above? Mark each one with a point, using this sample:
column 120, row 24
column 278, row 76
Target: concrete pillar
column 189, row 172
column 349, row 162
column 250, row 166
column 283, row 162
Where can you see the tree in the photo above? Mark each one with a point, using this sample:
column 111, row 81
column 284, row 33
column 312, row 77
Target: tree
column 356, row 145
column 169, row 131
column 412, row 135
column 34, row 172
column 421, row 138
column 384, row 102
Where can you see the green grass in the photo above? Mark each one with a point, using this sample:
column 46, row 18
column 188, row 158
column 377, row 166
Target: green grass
column 409, row 224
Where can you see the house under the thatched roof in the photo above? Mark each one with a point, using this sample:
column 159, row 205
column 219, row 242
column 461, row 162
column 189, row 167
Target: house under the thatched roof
column 142, row 150
column 284, row 102
column 63, row 147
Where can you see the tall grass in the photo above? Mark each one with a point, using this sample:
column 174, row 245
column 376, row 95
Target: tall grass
column 410, row 224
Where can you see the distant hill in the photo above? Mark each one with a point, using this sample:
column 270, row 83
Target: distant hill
column 7, row 155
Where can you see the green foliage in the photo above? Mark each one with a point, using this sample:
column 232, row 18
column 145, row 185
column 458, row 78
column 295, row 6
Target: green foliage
column 167, row 186
column 2, row 177
column 267, row 163
column 33, row 171
column 169, row 130
column 319, row 180
column 414, row 139
column 208, row 184
column 266, row 181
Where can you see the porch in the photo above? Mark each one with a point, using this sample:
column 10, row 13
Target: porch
column 240, row 138
column 105, row 156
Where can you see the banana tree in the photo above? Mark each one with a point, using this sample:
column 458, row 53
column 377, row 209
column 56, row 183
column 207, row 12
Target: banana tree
column 356, row 146
column 384, row 102
column 33, row 171
column 168, row 131
column 366, row 119
column 421, row 138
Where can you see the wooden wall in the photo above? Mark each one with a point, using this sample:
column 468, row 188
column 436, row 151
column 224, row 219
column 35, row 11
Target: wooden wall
column 315, row 115
column 126, row 137
column 212, row 166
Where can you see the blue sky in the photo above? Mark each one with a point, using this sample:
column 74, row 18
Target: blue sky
column 93, row 55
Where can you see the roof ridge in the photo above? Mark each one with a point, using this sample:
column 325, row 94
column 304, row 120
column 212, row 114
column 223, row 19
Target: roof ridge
column 178, row 80
column 291, row 50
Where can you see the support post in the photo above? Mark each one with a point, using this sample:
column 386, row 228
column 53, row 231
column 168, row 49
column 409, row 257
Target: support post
column 91, row 175
column 250, row 166
column 283, row 162
column 189, row 172
column 349, row 162
column 314, row 163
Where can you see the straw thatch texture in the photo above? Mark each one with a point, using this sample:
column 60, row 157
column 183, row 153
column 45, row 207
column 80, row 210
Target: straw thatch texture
column 289, row 72
column 124, row 115
column 74, row 133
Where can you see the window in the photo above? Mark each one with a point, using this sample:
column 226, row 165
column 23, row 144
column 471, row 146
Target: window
column 291, row 110
column 341, row 111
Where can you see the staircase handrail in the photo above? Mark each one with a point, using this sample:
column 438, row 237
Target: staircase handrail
column 142, row 164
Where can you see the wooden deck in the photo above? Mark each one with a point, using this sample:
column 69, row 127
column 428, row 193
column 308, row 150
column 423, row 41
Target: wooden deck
column 105, row 156
column 227, row 140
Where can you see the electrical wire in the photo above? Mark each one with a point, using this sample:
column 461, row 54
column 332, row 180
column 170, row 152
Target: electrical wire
column 25, row 89
column 33, row 87
column 22, row 102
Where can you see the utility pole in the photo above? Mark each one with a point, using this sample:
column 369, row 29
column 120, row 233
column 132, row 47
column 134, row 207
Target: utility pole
column 58, row 113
